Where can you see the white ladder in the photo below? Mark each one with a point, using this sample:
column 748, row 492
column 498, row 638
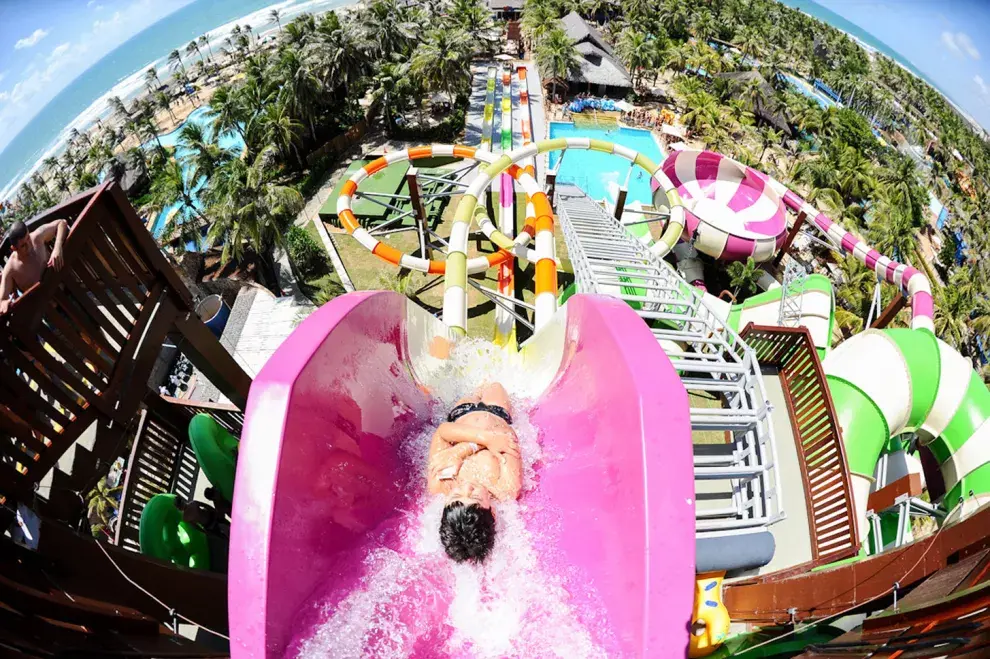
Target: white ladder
column 709, row 356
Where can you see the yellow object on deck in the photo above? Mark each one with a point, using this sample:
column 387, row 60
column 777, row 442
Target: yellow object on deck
column 711, row 619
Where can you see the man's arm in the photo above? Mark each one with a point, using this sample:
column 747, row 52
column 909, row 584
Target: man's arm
column 56, row 231
column 509, row 481
column 494, row 440
column 6, row 288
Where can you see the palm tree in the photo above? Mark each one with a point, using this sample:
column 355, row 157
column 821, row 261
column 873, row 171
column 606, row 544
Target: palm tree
column 636, row 52
column 538, row 21
column 193, row 47
column 476, row 19
column 557, row 57
column 953, row 304
column 282, row 131
column 275, row 16
column 387, row 26
column 151, row 76
column 204, row 155
column 769, row 137
column 169, row 187
column 175, row 62
column 744, row 275
column 119, row 109
column 249, row 208
column 163, row 102
column 101, row 504
column 300, row 90
column 227, row 112
column 703, row 26
column 441, row 61
column 203, row 41
column 336, row 56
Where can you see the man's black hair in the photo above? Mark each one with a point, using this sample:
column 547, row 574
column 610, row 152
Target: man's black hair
column 467, row 532
column 18, row 230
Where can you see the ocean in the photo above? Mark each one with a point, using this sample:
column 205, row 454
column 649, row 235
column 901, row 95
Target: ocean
column 865, row 38
column 120, row 73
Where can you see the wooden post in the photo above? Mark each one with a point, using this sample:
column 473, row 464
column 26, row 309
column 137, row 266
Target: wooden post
column 798, row 223
column 620, row 203
column 419, row 210
column 890, row 311
column 551, row 185
column 208, row 355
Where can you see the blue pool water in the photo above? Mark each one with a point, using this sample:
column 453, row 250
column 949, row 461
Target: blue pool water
column 198, row 116
column 804, row 88
column 599, row 174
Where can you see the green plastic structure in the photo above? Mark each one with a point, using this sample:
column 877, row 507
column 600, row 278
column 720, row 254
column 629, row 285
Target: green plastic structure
column 165, row 536
column 216, row 451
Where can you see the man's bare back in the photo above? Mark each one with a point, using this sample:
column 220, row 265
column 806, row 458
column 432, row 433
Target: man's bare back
column 30, row 257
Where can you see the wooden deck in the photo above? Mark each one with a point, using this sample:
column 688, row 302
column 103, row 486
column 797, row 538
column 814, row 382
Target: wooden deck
column 76, row 353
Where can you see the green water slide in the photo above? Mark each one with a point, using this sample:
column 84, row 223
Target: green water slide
column 886, row 383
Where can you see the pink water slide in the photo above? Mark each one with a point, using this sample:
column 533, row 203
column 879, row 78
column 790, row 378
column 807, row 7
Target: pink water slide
column 320, row 474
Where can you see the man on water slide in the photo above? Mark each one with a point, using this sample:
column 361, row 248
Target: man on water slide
column 474, row 457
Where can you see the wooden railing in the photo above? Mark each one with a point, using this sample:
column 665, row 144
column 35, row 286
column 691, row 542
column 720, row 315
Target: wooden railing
column 817, row 437
column 45, row 615
column 162, row 459
column 76, row 349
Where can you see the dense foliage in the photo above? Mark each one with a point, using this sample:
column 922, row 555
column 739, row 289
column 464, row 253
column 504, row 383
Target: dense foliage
column 833, row 157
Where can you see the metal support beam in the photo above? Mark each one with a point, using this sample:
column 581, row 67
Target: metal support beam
column 791, row 235
column 419, row 210
column 890, row 311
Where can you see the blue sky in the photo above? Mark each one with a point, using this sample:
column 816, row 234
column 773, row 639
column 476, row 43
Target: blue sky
column 45, row 44
column 949, row 40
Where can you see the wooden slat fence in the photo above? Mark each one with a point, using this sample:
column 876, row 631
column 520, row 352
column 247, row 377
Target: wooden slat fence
column 821, row 455
column 162, row 460
column 76, row 348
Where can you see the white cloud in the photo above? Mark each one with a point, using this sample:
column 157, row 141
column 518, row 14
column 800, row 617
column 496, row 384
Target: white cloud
column 960, row 44
column 31, row 40
column 983, row 87
column 60, row 50
column 3, row 74
column 110, row 22
column 45, row 76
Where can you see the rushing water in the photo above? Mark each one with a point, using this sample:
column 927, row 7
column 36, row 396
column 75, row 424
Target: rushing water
column 412, row 601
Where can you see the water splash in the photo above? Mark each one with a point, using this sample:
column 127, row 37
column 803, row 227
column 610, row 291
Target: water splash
column 412, row 601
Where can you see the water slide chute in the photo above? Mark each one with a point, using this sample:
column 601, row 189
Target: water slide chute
column 732, row 211
column 320, row 468
column 885, row 383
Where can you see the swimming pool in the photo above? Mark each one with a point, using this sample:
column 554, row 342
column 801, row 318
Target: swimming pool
column 600, row 174
column 199, row 117
column 804, row 88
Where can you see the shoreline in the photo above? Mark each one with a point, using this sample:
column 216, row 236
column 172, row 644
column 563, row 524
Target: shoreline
column 131, row 87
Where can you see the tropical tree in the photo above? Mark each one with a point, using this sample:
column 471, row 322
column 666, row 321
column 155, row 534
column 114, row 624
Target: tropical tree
column 275, row 16
column 703, row 26
column 769, row 137
column 441, row 61
column 388, row 27
column 204, row 41
column 744, row 275
column 557, row 57
column 192, row 48
column 203, row 154
column 163, row 102
column 170, row 188
column 539, row 19
column 475, row 18
column 101, row 504
column 227, row 113
column 636, row 52
column 250, row 208
column 300, row 90
column 175, row 62
column 151, row 76
column 282, row 131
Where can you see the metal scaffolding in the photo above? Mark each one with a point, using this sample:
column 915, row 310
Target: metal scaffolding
column 708, row 355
